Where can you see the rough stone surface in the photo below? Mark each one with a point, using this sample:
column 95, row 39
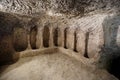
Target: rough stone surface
column 88, row 30
column 74, row 7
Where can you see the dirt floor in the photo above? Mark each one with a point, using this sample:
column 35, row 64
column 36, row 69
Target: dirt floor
column 54, row 65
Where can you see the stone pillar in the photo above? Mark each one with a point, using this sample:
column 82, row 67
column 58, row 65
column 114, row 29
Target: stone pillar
column 80, row 43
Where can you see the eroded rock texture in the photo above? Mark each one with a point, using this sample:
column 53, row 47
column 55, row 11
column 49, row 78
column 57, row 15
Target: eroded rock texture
column 75, row 7
column 86, row 33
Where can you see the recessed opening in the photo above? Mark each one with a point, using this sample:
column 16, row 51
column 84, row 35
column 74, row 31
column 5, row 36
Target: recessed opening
column 114, row 67
column 86, row 45
column 65, row 37
column 55, row 37
column 75, row 41
column 20, row 39
column 33, row 34
column 46, row 35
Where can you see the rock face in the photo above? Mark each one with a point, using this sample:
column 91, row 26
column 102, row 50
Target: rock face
column 74, row 7
column 88, row 30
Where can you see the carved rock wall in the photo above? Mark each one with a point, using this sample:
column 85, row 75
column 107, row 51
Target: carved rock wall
column 74, row 7
column 86, row 36
column 40, row 24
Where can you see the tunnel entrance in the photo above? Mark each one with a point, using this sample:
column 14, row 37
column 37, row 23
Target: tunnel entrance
column 115, row 67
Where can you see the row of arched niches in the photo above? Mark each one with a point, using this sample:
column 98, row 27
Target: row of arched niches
column 36, row 37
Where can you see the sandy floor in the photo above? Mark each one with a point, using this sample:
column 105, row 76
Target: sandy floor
column 51, row 66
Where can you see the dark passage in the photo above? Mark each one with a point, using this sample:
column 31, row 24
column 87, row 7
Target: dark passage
column 75, row 41
column 33, row 34
column 65, row 37
column 111, row 29
column 86, row 45
column 46, row 35
column 20, row 39
column 55, row 37
column 115, row 67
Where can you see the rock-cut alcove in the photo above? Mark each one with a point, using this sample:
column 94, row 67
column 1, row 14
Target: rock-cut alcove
column 59, row 40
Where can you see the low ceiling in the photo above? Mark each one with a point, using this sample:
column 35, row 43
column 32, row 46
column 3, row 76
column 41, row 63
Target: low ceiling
column 74, row 7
